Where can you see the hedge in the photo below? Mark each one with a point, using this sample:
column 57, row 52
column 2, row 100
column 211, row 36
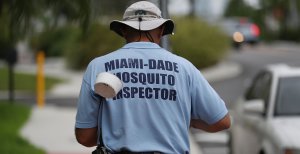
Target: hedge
column 201, row 43
column 97, row 41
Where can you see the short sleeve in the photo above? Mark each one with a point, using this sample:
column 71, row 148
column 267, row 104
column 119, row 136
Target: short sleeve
column 88, row 106
column 206, row 103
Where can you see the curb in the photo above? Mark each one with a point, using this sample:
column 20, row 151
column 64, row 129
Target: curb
column 222, row 71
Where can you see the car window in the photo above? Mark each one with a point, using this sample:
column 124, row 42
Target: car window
column 260, row 87
column 288, row 96
column 245, row 29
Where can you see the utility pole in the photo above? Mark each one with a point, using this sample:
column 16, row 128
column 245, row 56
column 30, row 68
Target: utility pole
column 11, row 58
column 164, row 10
column 163, row 5
column 40, row 59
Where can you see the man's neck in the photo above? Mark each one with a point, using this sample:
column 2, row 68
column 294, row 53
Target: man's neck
column 142, row 39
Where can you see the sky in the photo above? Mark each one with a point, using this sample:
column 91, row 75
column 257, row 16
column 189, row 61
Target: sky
column 178, row 7
column 216, row 6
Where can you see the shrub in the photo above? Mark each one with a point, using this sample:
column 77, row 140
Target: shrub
column 202, row 44
column 290, row 34
column 199, row 42
column 97, row 41
column 54, row 42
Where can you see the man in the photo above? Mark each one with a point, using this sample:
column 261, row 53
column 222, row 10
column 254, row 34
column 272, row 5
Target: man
column 162, row 95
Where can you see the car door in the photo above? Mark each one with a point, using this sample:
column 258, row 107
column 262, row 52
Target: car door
column 251, row 125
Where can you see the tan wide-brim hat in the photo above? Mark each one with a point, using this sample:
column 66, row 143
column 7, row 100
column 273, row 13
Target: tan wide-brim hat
column 143, row 16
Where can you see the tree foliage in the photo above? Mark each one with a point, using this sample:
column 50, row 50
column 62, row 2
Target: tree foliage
column 19, row 18
column 238, row 8
column 55, row 42
column 282, row 11
column 284, row 14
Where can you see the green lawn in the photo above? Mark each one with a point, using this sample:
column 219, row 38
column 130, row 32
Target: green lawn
column 24, row 82
column 12, row 118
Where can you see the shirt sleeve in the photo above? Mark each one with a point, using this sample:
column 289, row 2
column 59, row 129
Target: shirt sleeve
column 88, row 106
column 206, row 103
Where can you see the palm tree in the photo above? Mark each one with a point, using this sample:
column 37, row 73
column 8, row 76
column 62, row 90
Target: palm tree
column 282, row 12
column 192, row 12
column 19, row 15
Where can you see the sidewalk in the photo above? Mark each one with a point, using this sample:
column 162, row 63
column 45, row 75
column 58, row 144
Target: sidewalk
column 52, row 128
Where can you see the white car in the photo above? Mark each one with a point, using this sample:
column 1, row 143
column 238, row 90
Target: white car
column 267, row 118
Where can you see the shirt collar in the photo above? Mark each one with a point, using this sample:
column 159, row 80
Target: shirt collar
column 141, row 45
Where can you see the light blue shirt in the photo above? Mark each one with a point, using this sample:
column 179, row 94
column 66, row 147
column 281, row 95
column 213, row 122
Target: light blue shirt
column 152, row 112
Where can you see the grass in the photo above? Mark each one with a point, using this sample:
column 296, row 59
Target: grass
column 24, row 82
column 13, row 116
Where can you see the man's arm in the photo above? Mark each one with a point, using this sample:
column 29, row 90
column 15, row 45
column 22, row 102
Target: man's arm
column 222, row 124
column 87, row 136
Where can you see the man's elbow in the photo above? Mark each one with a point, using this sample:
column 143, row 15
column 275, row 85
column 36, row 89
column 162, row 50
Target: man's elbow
column 227, row 125
column 226, row 122
column 85, row 142
column 218, row 128
column 221, row 125
column 86, row 137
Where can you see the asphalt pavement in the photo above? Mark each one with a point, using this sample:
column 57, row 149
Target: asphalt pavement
column 52, row 127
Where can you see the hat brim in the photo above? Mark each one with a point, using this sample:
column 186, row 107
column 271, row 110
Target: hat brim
column 144, row 25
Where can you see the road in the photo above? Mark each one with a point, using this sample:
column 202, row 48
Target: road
column 251, row 59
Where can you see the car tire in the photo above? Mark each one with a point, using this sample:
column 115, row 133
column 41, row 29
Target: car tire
column 237, row 46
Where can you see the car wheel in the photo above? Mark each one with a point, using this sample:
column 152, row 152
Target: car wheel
column 237, row 46
column 253, row 43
